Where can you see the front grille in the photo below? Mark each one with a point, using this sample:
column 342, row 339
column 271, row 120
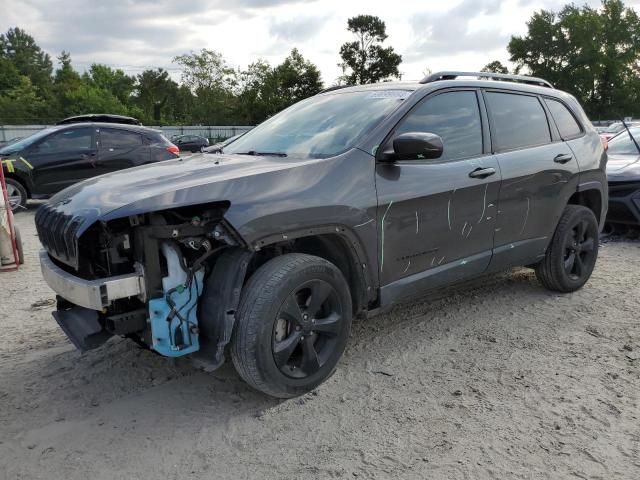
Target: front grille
column 57, row 233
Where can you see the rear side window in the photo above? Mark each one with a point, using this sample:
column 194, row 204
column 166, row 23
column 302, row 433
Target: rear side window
column 518, row 121
column 112, row 138
column 565, row 121
column 455, row 117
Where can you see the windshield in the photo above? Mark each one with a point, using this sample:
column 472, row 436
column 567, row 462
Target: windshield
column 25, row 142
column 321, row 126
column 622, row 144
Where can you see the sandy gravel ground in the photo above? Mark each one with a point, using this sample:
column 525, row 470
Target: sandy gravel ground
column 504, row 380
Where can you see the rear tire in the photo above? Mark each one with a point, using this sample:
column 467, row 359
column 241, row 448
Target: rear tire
column 572, row 254
column 17, row 194
column 292, row 325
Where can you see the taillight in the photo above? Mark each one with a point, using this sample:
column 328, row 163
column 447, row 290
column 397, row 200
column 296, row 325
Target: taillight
column 173, row 149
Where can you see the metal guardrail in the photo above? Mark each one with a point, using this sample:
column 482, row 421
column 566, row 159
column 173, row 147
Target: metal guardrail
column 212, row 132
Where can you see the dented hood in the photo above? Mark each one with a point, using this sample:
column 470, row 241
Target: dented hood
column 185, row 181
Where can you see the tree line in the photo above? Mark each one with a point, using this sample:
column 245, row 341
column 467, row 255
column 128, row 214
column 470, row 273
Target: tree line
column 592, row 53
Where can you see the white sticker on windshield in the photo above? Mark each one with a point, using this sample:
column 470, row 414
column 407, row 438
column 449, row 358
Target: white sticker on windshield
column 401, row 94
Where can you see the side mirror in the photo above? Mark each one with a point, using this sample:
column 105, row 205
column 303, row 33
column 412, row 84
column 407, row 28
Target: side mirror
column 415, row 146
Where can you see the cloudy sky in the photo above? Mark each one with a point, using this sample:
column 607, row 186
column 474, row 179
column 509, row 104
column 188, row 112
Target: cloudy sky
column 139, row 34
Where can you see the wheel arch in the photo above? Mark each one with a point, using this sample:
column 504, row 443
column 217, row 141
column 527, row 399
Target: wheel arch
column 590, row 195
column 336, row 244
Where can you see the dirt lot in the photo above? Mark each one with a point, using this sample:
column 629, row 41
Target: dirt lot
column 503, row 380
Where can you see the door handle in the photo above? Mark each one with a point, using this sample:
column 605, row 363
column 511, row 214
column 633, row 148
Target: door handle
column 562, row 158
column 482, row 172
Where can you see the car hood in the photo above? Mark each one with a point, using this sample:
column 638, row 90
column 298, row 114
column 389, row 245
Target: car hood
column 141, row 189
column 623, row 167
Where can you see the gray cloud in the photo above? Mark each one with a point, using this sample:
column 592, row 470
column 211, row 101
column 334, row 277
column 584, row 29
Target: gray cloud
column 298, row 29
column 448, row 33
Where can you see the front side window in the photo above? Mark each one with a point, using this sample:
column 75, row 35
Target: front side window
column 565, row 121
column 519, row 121
column 622, row 143
column 321, row 126
column 69, row 140
column 112, row 138
column 455, row 117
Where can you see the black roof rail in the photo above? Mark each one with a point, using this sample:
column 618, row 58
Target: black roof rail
column 434, row 77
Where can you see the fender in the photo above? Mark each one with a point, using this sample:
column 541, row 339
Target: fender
column 367, row 270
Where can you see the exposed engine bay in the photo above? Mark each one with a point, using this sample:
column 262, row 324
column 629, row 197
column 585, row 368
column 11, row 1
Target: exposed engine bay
column 171, row 253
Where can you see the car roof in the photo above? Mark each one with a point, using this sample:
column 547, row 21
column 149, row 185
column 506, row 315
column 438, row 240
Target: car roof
column 451, row 83
column 100, row 117
column 116, row 126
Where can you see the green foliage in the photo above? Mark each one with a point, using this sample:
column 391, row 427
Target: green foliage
column 22, row 51
column 211, row 92
column 264, row 91
column 365, row 60
column 591, row 53
column 496, row 67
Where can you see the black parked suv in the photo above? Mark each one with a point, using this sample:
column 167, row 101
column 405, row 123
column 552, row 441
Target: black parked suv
column 54, row 158
column 341, row 205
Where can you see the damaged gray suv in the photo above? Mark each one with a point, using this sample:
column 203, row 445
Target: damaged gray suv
column 341, row 205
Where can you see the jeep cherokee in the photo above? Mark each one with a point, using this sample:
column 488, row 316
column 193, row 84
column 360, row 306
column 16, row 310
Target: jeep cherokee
column 341, row 205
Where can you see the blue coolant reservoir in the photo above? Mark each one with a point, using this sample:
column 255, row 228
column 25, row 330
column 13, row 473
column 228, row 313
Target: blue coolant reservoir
column 172, row 336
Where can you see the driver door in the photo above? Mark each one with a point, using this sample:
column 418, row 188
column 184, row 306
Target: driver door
column 437, row 216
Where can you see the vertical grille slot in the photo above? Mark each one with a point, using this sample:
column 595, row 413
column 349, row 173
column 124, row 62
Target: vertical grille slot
column 57, row 233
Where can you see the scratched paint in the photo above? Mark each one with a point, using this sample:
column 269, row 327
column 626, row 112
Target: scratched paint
column 484, row 202
column 382, row 235
column 526, row 217
column 407, row 267
column 363, row 224
column 417, row 224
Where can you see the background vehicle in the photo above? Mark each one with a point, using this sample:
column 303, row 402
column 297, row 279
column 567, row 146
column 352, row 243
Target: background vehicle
column 623, row 175
column 191, row 143
column 54, row 158
column 343, row 204
column 217, row 147
column 615, row 128
column 10, row 141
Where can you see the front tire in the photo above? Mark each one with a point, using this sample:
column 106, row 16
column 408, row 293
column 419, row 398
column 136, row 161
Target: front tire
column 572, row 254
column 292, row 325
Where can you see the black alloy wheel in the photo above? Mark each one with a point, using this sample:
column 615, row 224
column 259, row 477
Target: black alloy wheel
column 305, row 332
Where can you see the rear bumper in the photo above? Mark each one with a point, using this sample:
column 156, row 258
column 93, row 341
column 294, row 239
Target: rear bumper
column 92, row 294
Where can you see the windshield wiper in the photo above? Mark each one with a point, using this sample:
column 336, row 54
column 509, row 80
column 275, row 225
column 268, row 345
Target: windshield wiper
column 263, row 154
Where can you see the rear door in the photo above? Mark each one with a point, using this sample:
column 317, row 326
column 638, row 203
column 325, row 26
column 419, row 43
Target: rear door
column 62, row 159
column 537, row 169
column 119, row 149
column 437, row 217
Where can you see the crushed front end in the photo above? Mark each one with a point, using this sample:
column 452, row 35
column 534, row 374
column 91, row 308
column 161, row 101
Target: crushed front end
column 140, row 276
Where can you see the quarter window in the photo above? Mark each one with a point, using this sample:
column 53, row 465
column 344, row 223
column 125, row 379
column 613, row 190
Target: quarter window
column 111, row 138
column 519, row 121
column 565, row 121
column 455, row 117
